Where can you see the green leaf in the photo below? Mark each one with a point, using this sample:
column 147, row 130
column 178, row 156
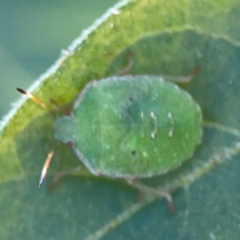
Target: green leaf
column 168, row 38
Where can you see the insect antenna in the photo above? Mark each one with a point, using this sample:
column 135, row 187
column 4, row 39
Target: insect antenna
column 45, row 168
column 33, row 98
column 50, row 155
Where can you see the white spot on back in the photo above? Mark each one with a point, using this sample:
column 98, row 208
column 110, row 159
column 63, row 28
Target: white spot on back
column 170, row 133
column 154, row 117
column 142, row 117
column 152, row 114
column 144, row 154
column 152, row 135
column 161, row 79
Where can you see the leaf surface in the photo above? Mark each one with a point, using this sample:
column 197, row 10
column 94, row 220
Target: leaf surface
column 166, row 38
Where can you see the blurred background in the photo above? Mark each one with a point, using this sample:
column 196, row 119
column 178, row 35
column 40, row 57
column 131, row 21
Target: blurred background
column 32, row 34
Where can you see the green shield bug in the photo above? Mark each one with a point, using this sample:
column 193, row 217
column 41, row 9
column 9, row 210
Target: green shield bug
column 130, row 127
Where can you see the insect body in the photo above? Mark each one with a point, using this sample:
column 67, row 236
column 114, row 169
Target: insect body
column 132, row 126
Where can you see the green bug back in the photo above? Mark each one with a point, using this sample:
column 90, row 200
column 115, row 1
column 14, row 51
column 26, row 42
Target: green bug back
column 132, row 126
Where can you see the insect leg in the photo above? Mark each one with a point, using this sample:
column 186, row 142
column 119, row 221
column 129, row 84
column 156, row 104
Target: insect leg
column 77, row 171
column 182, row 79
column 127, row 69
column 149, row 190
